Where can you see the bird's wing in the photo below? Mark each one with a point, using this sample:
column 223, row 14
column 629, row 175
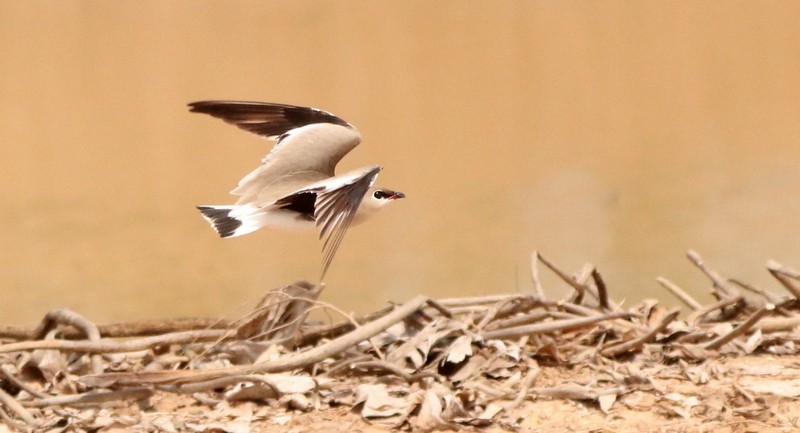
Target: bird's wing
column 337, row 200
column 308, row 140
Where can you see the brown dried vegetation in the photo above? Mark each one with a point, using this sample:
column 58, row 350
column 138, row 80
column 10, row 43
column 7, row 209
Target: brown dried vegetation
column 506, row 362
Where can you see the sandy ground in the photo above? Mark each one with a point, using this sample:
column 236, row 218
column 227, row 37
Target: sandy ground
column 725, row 395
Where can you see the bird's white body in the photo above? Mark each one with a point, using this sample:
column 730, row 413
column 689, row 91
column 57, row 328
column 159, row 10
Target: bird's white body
column 296, row 186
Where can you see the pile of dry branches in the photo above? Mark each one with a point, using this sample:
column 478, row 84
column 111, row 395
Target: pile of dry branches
column 426, row 364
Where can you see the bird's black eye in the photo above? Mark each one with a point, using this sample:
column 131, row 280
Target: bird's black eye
column 379, row 195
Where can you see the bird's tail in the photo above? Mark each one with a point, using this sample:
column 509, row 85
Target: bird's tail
column 231, row 221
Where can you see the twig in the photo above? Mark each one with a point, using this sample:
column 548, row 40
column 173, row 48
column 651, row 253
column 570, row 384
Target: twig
column 475, row 300
column 741, row 329
column 530, row 378
column 680, row 293
column 440, row 308
column 583, row 280
column 13, row 405
column 579, row 288
column 602, row 290
column 537, row 285
column 290, row 362
column 778, row 324
column 785, row 276
column 108, row 346
column 394, row 369
column 720, row 284
column 92, row 397
column 697, row 315
column 223, row 382
column 537, row 316
column 540, row 328
column 491, row 313
column 67, row 317
column 313, row 335
column 588, row 312
column 20, row 384
column 125, row 329
column 7, row 420
column 636, row 343
column 772, row 299
column 344, row 364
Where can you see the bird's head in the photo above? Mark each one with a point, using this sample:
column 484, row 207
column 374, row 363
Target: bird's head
column 381, row 196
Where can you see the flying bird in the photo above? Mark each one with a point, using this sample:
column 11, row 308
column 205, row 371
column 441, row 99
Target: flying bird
column 296, row 184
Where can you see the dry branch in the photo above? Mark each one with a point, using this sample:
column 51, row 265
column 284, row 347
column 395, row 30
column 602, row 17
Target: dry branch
column 558, row 325
column 289, row 362
column 113, row 346
column 92, row 397
column 741, row 329
column 13, row 405
column 641, row 341
column 787, row 277
column 680, row 293
column 472, row 352
column 723, row 289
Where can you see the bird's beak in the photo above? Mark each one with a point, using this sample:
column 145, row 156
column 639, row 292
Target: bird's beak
column 397, row 195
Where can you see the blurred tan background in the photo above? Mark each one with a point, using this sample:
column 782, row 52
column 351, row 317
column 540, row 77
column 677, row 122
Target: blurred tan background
column 619, row 133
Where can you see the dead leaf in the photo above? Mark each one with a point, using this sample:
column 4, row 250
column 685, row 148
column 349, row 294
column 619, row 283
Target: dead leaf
column 459, row 350
column 472, row 367
column 681, row 404
column 491, row 410
column 251, row 392
column 290, row 384
column 377, row 403
column 430, row 414
column 606, row 401
column 415, row 350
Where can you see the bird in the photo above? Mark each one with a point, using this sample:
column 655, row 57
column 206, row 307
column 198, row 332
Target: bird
column 295, row 186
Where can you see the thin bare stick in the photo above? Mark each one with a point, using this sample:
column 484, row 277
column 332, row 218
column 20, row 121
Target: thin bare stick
column 699, row 314
column 126, row 329
column 67, row 317
column 536, row 316
column 344, row 364
column 440, row 308
column 637, row 343
column 558, row 325
column 741, row 329
column 13, row 405
column 772, row 299
column 476, row 300
column 602, row 290
column 537, row 285
column 108, row 346
column 785, row 270
column 313, row 335
column 491, row 313
column 394, row 369
column 292, row 361
column 222, row 382
column 720, row 284
column 352, row 321
column 776, row 324
column 579, row 288
column 530, row 378
column 19, row 383
column 582, row 279
column 785, row 276
column 8, row 421
column 92, row 397
column 680, row 293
